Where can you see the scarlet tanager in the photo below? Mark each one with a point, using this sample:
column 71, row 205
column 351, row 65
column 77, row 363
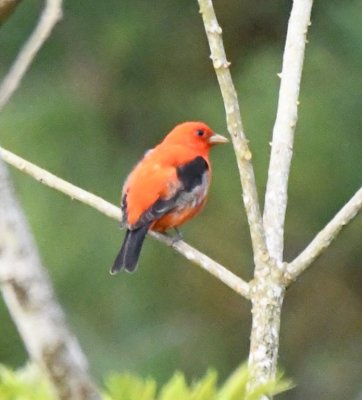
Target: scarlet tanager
column 166, row 188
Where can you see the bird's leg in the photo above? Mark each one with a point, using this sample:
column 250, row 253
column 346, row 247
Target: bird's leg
column 177, row 237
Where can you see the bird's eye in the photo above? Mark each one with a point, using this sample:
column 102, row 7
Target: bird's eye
column 200, row 132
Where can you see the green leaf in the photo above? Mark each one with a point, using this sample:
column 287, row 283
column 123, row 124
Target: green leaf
column 235, row 386
column 205, row 389
column 175, row 389
column 27, row 383
column 129, row 387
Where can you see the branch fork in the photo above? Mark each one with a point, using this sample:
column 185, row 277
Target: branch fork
column 272, row 273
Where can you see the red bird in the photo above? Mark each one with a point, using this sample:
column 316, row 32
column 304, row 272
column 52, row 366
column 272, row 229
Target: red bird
column 166, row 188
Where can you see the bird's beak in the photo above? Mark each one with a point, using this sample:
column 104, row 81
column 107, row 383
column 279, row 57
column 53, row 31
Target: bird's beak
column 216, row 139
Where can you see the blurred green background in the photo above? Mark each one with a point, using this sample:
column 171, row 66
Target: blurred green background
column 113, row 79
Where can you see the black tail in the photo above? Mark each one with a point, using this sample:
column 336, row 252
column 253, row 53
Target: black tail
column 128, row 256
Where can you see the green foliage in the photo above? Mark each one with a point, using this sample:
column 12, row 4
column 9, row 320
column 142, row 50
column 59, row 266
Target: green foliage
column 24, row 384
column 29, row 384
column 129, row 387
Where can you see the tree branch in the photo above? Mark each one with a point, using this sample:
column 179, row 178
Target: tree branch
column 206, row 263
column 283, row 132
column 268, row 289
column 24, row 283
column 101, row 205
column 324, row 238
column 50, row 16
column 29, row 296
column 235, row 128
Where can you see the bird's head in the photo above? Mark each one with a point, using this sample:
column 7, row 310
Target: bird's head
column 196, row 135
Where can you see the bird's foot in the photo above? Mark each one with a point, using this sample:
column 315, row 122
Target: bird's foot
column 177, row 237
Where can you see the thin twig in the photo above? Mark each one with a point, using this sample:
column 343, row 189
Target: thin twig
column 283, row 132
column 235, row 127
column 325, row 237
column 50, row 16
column 198, row 258
column 48, row 179
column 206, row 263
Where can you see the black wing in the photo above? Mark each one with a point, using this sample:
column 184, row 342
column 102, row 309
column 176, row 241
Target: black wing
column 191, row 174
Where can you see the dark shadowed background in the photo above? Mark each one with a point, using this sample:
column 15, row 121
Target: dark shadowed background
column 113, row 79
